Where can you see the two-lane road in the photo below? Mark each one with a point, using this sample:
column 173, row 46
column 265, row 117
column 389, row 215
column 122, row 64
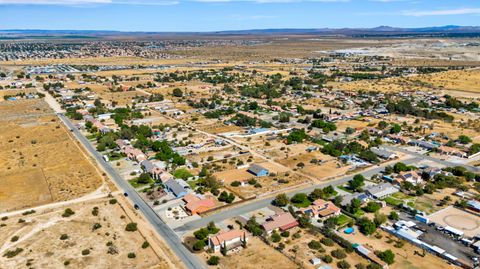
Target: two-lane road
column 260, row 203
column 173, row 241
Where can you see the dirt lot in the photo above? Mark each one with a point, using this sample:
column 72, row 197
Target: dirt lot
column 39, row 158
column 257, row 255
column 39, row 237
column 304, row 254
column 404, row 257
column 458, row 219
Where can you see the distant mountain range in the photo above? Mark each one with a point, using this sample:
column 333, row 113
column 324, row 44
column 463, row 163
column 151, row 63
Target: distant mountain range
column 385, row 31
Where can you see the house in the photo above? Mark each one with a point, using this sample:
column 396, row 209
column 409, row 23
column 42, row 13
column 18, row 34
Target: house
column 258, row 170
column 229, row 240
column 409, row 176
column 197, row 205
column 347, row 199
column 134, row 154
column 174, row 187
column 423, row 144
column 384, row 154
column 282, row 222
column 452, row 151
column 399, row 139
column 321, row 209
column 381, row 190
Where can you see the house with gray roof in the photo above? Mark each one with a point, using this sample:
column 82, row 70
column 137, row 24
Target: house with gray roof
column 381, row 190
column 176, row 188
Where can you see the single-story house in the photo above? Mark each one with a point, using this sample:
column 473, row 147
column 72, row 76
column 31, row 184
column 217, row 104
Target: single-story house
column 321, row 209
column 423, row 144
column 473, row 205
column 381, row 190
column 384, row 154
column 197, row 205
column 258, row 170
column 282, row 222
column 347, row 199
column 229, row 239
column 452, row 151
column 409, row 176
column 174, row 187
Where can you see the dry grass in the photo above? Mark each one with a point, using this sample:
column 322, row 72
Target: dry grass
column 39, row 237
column 40, row 159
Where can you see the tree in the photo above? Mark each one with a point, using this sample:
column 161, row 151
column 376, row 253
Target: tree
column 396, row 128
column 299, row 198
column 366, row 226
column 281, row 200
column 276, row 237
column 131, row 227
column 387, row 256
column 199, row 245
column 357, row 182
column 372, row 207
column 379, row 218
column 464, row 139
column 177, row 92
column 314, row 244
column 393, row 216
column 343, row 264
column 213, row 260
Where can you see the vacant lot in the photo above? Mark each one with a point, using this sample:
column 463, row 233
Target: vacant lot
column 39, row 159
column 257, row 255
column 108, row 244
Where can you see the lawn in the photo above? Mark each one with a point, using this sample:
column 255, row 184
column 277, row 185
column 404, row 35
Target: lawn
column 392, row 201
column 305, row 203
column 343, row 188
column 134, row 182
column 342, row 220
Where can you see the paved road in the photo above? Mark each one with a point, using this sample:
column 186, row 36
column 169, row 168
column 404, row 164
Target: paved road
column 163, row 230
column 426, row 157
column 257, row 204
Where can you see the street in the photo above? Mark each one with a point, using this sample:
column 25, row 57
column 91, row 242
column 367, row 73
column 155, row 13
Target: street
column 173, row 241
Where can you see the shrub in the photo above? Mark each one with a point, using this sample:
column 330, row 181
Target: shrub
column 131, row 227
column 327, row 242
column 67, row 213
column 199, row 245
column 12, row 253
column 63, row 237
column 85, row 252
column 96, row 226
column 213, row 260
column 343, row 264
column 314, row 244
column 131, row 255
column 235, row 184
column 339, row 254
column 66, row 263
column 276, row 237
column 95, row 211
column 327, row 259
column 145, row 244
column 112, row 201
column 14, row 238
column 285, row 234
column 387, row 256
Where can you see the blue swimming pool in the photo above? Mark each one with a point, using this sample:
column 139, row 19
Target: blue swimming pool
column 349, row 230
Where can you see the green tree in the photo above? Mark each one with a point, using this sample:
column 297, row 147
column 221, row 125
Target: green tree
column 387, row 256
column 281, row 200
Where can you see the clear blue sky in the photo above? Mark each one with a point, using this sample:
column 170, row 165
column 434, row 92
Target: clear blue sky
column 212, row 15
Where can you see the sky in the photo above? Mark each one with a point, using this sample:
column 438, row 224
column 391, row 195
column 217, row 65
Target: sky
column 216, row 15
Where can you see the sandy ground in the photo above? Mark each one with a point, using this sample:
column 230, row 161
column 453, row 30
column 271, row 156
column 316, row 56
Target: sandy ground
column 257, row 255
column 39, row 159
column 404, row 257
column 458, row 219
column 39, row 237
